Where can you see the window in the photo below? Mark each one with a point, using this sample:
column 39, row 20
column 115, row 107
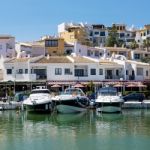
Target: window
column 136, row 56
column 96, row 33
column 67, row 71
column 117, row 72
column 122, row 35
column 102, row 33
column 128, row 35
column 69, row 51
column 9, row 71
column 20, row 71
column 139, row 71
column 127, row 72
column 26, row 71
column 146, row 72
column 91, row 33
column 58, row 71
column 51, row 43
column 97, row 53
column 80, row 73
column 100, row 54
column 31, row 71
column 88, row 53
column 100, row 71
column 93, row 71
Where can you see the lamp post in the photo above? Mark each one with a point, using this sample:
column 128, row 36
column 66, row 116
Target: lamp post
column 14, row 90
column 121, row 79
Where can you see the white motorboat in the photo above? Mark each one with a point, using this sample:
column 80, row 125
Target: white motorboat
column 73, row 100
column 39, row 100
column 108, row 100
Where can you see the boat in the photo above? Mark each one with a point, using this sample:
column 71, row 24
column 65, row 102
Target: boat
column 39, row 101
column 109, row 100
column 1, row 108
column 73, row 100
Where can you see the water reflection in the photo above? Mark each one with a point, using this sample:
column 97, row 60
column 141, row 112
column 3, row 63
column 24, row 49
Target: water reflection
column 75, row 131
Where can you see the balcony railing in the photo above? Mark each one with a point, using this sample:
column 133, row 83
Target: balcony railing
column 113, row 77
column 41, row 77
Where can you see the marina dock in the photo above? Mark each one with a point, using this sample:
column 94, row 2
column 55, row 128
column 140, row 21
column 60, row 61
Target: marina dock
column 12, row 105
column 136, row 105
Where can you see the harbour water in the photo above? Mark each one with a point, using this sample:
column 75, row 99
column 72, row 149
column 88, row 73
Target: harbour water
column 85, row 131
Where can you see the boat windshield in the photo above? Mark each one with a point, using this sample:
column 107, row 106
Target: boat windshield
column 108, row 92
column 40, row 91
column 74, row 92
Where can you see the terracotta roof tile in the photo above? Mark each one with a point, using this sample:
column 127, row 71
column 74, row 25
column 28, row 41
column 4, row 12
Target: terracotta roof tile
column 15, row 60
column 79, row 59
column 54, row 59
column 107, row 62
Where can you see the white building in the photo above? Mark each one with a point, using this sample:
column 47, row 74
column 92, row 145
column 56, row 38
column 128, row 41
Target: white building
column 99, row 35
column 142, row 34
column 68, row 48
column 133, row 70
column 93, row 52
column 7, row 46
column 68, row 68
column 138, row 54
column 33, row 49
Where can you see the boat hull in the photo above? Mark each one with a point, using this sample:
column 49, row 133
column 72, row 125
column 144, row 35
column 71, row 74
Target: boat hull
column 46, row 107
column 109, row 107
column 69, row 109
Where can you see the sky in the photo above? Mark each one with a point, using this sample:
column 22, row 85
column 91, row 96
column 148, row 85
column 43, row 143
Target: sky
column 28, row 20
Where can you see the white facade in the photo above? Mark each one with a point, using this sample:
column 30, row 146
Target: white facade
column 23, row 48
column 18, row 71
column 142, row 35
column 134, row 70
column 93, row 52
column 7, row 46
column 69, row 48
column 137, row 55
column 33, row 49
column 99, row 35
column 86, row 69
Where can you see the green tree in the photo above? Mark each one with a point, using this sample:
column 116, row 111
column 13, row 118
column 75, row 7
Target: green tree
column 146, row 43
column 134, row 45
column 113, row 37
column 90, row 87
column 146, row 60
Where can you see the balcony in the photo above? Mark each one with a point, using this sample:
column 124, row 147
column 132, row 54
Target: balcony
column 41, row 77
column 113, row 77
column 20, row 77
